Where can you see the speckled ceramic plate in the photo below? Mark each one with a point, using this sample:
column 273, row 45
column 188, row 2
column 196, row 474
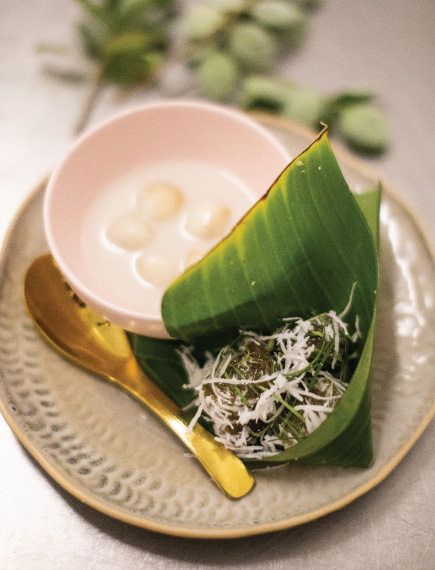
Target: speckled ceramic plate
column 108, row 451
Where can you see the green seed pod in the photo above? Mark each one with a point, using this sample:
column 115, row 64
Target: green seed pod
column 364, row 128
column 304, row 106
column 201, row 22
column 263, row 93
column 254, row 47
column 230, row 6
column 278, row 15
column 292, row 37
column 217, row 75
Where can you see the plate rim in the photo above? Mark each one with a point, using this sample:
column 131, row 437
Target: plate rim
column 86, row 497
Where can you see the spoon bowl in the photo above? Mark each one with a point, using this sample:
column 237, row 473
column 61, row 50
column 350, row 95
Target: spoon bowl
column 103, row 348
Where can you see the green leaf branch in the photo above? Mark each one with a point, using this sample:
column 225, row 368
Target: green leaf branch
column 232, row 49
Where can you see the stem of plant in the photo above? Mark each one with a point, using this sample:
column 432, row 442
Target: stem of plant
column 89, row 104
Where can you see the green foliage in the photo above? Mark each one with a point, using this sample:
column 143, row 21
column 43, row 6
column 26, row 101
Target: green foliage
column 253, row 33
column 232, row 48
column 128, row 38
column 217, row 75
column 251, row 37
column 202, row 22
column 350, row 114
column 364, row 128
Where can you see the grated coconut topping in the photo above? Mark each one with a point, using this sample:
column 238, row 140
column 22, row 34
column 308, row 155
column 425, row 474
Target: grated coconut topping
column 264, row 394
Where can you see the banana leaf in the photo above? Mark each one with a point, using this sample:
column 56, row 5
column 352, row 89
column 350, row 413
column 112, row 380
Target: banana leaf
column 299, row 251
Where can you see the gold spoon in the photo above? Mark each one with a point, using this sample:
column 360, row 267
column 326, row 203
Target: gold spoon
column 102, row 347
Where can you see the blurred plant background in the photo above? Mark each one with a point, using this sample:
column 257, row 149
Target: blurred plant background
column 227, row 51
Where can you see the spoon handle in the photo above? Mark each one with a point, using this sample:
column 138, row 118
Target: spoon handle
column 227, row 470
column 76, row 331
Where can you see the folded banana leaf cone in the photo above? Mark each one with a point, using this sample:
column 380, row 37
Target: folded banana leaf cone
column 307, row 247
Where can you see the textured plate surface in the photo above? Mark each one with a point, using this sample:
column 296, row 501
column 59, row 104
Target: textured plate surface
column 108, row 451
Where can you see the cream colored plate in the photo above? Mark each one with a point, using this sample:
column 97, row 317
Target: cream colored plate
column 108, row 451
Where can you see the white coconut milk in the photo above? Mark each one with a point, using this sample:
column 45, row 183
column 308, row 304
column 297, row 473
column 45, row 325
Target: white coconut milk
column 136, row 241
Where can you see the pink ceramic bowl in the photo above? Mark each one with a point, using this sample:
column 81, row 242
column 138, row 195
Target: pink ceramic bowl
column 172, row 130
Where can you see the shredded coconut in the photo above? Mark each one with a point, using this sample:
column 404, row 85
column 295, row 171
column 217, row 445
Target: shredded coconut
column 266, row 393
